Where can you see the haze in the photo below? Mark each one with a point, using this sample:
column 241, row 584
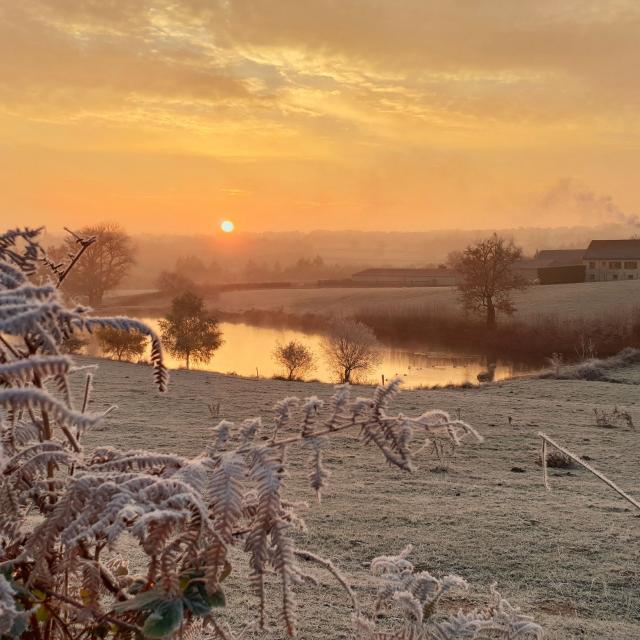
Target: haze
column 381, row 115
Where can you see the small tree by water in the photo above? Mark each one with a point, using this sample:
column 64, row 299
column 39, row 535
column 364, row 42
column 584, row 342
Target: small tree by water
column 121, row 344
column 351, row 349
column 295, row 358
column 188, row 331
column 487, row 277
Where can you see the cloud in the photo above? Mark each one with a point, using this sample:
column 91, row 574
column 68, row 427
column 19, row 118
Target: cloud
column 424, row 110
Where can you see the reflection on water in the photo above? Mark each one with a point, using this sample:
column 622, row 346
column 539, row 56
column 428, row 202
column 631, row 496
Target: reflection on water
column 247, row 351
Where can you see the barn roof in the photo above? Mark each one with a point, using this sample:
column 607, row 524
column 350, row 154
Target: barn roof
column 613, row 250
column 552, row 258
column 560, row 257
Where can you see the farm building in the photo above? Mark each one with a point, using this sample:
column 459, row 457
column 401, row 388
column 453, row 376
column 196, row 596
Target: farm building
column 612, row 260
column 553, row 266
column 440, row 277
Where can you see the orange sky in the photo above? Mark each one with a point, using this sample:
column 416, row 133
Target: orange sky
column 304, row 114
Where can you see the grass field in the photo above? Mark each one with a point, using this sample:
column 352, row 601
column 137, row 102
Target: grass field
column 567, row 300
column 568, row 557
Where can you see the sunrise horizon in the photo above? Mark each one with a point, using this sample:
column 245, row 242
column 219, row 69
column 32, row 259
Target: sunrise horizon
column 416, row 115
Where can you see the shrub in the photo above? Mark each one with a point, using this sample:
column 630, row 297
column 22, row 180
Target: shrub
column 351, row 349
column 65, row 509
column 558, row 460
column 613, row 419
column 295, row 358
column 121, row 344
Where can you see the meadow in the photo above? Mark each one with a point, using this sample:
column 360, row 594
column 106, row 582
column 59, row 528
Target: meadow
column 575, row 320
column 569, row 557
column 592, row 299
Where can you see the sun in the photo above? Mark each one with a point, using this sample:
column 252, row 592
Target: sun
column 227, row 226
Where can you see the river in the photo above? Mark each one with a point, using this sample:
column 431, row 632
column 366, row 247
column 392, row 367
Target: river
column 248, row 351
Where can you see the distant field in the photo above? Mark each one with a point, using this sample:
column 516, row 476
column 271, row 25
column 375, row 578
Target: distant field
column 569, row 557
column 568, row 300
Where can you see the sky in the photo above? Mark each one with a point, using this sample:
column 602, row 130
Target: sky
column 280, row 115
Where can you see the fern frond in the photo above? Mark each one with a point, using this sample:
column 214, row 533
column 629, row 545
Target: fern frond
column 31, row 398
column 284, row 564
column 161, row 374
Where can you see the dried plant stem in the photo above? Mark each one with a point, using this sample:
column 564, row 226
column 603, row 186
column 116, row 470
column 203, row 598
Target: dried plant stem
column 330, row 567
column 85, row 243
column 9, row 347
column 87, row 391
column 588, row 467
column 360, row 423
column 543, row 461
column 107, row 618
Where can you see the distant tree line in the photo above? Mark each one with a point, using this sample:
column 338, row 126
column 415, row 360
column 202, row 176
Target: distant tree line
column 191, row 272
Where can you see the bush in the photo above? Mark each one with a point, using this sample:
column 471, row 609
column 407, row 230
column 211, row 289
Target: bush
column 120, row 344
column 295, row 358
column 351, row 349
column 558, row 460
column 613, row 419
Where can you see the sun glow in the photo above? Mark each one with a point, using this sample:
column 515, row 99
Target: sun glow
column 227, row 226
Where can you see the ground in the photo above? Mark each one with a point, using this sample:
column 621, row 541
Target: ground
column 564, row 300
column 568, row 557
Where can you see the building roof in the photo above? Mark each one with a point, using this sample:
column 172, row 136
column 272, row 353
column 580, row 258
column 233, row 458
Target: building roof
column 613, row 250
column 560, row 257
column 552, row 258
column 407, row 273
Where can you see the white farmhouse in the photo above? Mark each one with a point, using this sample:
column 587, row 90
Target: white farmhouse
column 612, row 260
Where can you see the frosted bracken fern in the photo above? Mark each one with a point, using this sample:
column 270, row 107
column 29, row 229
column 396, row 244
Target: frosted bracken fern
column 65, row 509
column 415, row 596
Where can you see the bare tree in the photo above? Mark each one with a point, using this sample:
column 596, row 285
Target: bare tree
column 487, row 276
column 104, row 264
column 351, row 349
column 295, row 358
column 188, row 331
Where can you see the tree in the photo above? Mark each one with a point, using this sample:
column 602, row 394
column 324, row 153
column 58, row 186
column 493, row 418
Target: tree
column 188, row 331
column 104, row 264
column 174, row 282
column 121, row 344
column 295, row 358
column 351, row 349
column 487, row 277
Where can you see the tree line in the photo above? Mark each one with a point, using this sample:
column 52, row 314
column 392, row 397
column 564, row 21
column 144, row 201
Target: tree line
column 190, row 332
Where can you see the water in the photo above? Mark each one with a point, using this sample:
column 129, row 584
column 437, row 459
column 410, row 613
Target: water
column 248, row 351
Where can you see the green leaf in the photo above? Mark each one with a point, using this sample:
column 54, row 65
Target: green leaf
column 164, row 620
column 39, row 595
column 144, row 600
column 42, row 613
column 199, row 601
column 217, row 599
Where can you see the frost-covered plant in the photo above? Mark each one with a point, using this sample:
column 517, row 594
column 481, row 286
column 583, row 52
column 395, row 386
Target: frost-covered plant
column 66, row 510
column 415, row 597
column 617, row 417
